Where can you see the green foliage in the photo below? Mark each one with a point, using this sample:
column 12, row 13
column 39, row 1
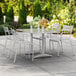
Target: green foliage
column 64, row 14
column 1, row 30
column 1, row 16
column 57, row 11
column 9, row 14
column 8, row 25
column 74, row 30
column 15, row 5
column 22, row 13
column 36, row 20
column 47, row 11
column 74, row 34
column 37, row 9
column 25, row 26
column 72, row 13
column 29, row 7
column 1, row 0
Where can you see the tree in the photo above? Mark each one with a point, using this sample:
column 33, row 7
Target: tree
column 29, row 7
column 1, row 0
column 72, row 15
column 9, row 14
column 15, row 5
column 1, row 16
column 22, row 13
column 37, row 9
column 47, row 11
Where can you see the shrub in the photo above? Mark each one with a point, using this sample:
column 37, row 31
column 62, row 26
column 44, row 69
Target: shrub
column 74, row 30
column 22, row 13
column 25, row 26
column 37, row 9
column 74, row 20
column 1, row 28
column 9, row 14
column 1, row 16
column 36, row 20
column 74, row 34
column 1, row 0
column 15, row 25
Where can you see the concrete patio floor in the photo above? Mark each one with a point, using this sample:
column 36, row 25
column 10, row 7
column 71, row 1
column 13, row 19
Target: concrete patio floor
column 64, row 65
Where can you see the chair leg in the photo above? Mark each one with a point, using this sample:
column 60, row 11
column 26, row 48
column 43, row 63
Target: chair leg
column 20, row 43
column 29, row 55
column 50, row 45
column 61, row 43
column 13, row 45
column 32, row 54
column 72, row 48
column 8, row 52
column 45, row 45
column 40, row 45
column 32, row 51
column 61, row 46
column 59, row 49
column 4, row 49
column 16, row 52
column 15, row 57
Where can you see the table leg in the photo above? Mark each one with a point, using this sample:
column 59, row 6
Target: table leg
column 43, row 54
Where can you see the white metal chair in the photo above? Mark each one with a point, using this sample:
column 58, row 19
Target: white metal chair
column 18, row 40
column 29, row 44
column 8, row 38
column 67, row 30
column 56, row 28
column 54, row 37
column 6, row 30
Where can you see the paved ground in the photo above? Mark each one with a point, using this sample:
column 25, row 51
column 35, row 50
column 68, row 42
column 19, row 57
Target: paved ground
column 64, row 65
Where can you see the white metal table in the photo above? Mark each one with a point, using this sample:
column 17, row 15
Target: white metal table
column 42, row 54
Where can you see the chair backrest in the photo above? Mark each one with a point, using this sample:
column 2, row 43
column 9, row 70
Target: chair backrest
column 13, row 32
column 67, row 29
column 56, row 28
column 6, row 30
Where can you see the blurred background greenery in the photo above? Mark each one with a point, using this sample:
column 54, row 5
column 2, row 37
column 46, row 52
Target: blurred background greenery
column 55, row 11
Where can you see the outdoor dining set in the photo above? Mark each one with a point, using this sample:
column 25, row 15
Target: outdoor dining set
column 27, row 39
